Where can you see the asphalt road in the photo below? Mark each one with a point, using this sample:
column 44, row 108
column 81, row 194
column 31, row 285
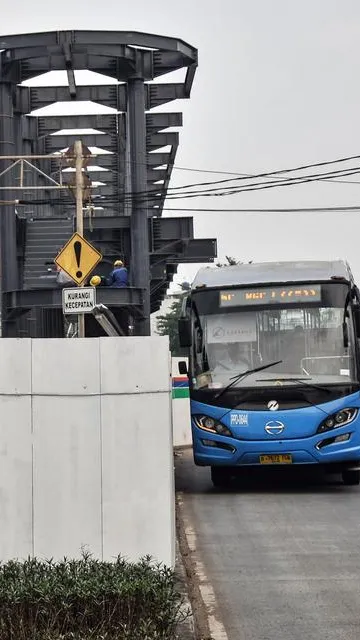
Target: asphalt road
column 282, row 553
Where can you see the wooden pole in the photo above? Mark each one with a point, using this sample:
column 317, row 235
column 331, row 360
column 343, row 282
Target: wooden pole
column 79, row 214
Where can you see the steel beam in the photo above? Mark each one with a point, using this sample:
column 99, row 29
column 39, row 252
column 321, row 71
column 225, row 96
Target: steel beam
column 8, row 257
column 106, row 160
column 41, row 53
column 167, row 229
column 162, row 93
column 105, row 190
column 108, row 95
column 140, row 265
column 110, row 177
column 158, row 272
column 167, row 61
column 103, row 38
column 169, row 171
column 159, row 121
column 52, row 298
column 43, row 39
column 109, row 190
column 154, row 175
column 27, row 135
column 51, row 124
column 108, row 222
column 157, row 159
column 158, row 140
column 189, row 79
column 107, row 177
column 118, row 68
column 198, row 250
column 112, row 95
column 136, row 38
column 103, row 141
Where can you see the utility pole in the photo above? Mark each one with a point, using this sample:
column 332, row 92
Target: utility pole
column 79, row 214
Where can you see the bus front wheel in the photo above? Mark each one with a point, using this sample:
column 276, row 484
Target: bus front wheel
column 220, row 476
column 351, row 477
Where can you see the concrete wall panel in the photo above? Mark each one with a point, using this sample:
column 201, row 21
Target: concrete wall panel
column 15, row 366
column 135, row 365
column 15, row 477
column 65, row 366
column 138, row 477
column 67, row 476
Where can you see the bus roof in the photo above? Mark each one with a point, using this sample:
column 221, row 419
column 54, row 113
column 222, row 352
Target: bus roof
column 272, row 272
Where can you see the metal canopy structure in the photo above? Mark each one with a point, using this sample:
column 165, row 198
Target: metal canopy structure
column 135, row 154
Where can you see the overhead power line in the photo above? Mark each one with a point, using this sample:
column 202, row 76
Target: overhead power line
column 150, row 197
column 239, row 176
column 271, row 173
column 335, row 209
column 283, row 210
column 257, row 186
column 246, row 176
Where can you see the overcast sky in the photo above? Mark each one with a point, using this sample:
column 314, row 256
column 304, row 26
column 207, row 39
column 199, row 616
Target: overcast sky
column 278, row 85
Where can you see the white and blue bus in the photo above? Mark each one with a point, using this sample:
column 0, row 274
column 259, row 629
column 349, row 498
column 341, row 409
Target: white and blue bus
column 274, row 367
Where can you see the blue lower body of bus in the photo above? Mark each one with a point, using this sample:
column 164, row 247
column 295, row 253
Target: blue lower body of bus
column 231, row 437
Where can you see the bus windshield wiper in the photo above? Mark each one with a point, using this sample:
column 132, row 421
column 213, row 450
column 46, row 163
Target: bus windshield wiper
column 242, row 375
column 299, row 380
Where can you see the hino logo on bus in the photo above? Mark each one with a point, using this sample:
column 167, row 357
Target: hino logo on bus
column 273, row 405
column 274, row 427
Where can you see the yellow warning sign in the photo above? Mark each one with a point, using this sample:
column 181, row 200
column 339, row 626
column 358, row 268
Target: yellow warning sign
column 78, row 258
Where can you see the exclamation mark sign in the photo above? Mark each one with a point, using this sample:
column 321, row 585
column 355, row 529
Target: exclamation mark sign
column 77, row 249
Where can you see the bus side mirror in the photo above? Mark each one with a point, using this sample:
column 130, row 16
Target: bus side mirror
column 182, row 366
column 356, row 312
column 184, row 329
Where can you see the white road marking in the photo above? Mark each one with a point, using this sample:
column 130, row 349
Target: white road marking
column 216, row 627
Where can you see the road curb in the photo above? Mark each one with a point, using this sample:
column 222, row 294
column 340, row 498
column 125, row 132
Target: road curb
column 186, row 628
column 207, row 626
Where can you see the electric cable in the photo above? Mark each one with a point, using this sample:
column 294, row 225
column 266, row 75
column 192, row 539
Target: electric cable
column 154, row 194
column 244, row 176
column 151, row 197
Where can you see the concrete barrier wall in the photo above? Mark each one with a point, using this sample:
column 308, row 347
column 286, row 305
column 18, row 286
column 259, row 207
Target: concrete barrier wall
column 86, row 448
column 180, row 406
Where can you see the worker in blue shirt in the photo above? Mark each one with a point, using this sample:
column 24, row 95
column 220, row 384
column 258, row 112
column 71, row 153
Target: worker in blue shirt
column 118, row 278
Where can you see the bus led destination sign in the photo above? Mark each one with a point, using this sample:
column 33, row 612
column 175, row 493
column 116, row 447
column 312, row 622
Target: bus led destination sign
column 270, row 295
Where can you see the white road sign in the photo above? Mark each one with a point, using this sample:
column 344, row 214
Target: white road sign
column 79, row 300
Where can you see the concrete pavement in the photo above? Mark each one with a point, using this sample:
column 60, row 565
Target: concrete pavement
column 280, row 554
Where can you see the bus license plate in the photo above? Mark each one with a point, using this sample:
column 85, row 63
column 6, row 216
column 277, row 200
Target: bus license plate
column 284, row 458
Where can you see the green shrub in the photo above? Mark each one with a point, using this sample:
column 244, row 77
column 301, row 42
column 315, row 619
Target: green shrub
column 86, row 598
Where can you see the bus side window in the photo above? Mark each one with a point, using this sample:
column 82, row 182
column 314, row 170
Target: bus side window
column 197, row 337
column 197, row 346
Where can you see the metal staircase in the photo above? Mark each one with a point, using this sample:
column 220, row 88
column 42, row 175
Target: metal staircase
column 44, row 238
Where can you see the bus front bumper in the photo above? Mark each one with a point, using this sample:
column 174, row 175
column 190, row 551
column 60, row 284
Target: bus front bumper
column 213, row 450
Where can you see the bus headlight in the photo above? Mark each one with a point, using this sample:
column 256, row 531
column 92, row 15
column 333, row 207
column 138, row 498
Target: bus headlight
column 210, row 424
column 339, row 419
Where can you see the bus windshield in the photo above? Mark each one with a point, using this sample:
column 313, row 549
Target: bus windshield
column 308, row 338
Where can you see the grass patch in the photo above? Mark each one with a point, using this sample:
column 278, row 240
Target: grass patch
column 87, row 599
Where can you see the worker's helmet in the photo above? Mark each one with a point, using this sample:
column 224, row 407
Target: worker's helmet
column 95, row 281
column 118, row 263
